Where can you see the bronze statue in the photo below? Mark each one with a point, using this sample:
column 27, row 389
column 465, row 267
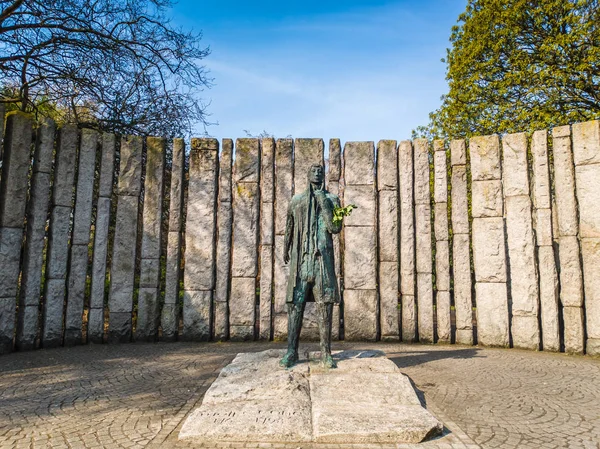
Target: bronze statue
column 309, row 250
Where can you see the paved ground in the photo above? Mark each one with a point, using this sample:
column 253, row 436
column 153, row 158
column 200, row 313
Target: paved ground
column 137, row 395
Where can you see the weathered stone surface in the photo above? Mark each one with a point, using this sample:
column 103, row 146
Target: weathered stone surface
column 15, row 167
column 169, row 321
column 130, row 172
column 95, row 326
column 542, row 223
column 521, row 253
column 359, row 163
column 123, row 259
column 440, row 222
column 241, row 333
column 409, row 318
column 588, row 197
column 267, row 174
column 100, row 253
column 442, row 265
column 360, row 258
column 10, row 255
column 149, row 273
column 281, row 273
column 586, row 143
column 388, row 300
column 458, row 152
column 443, row 316
column 170, row 315
column 58, row 242
column 196, row 315
column 460, row 206
column 245, row 230
column 488, row 250
column 120, row 327
column 266, row 290
column 362, row 196
column 27, row 327
column 462, row 284
column 592, row 346
column 153, row 197
column 246, row 166
column 335, row 323
column 440, row 191
column 388, row 225
column 360, row 315
column 387, row 161
column 407, row 230
column 107, row 165
column 82, row 216
column 525, row 332
column 566, row 205
column 44, row 146
column 221, row 317
column 147, row 315
column 223, row 263
column 283, row 182
column 199, row 271
column 492, row 313
column 485, row 158
column 541, row 171
column 590, row 251
column 464, row 336
column 423, row 237
column 548, row 298
column 425, row 307
column 487, row 198
column 76, row 294
column 280, row 326
column 514, row 160
column 421, row 171
column 54, row 299
column 306, row 153
column 7, row 324
column 573, row 328
column 243, row 301
column 335, row 159
column 267, row 229
column 571, row 282
column 177, row 174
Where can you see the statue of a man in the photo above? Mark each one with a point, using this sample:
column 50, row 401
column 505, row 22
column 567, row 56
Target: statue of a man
column 309, row 250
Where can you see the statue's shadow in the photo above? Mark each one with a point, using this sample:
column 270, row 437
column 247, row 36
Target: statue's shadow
column 357, row 354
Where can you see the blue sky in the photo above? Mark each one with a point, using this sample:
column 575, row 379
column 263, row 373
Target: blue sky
column 357, row 70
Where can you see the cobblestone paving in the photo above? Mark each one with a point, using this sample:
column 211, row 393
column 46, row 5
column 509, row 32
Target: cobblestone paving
column 138, row 395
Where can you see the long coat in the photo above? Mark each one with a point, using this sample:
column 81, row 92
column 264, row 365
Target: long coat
column 295, row 234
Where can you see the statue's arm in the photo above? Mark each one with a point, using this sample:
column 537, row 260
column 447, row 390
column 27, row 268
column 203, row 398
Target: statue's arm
column 289, row 232
column 326, row 206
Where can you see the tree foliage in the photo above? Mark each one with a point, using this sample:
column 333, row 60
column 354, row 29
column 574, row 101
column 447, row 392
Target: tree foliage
column 520, row 65
column 116, row 65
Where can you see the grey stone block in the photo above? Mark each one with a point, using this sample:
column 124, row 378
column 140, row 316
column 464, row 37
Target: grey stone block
column 409, row 319
column 283, row 182
column 281, row 273
column 100, row 253
column 525, row 332
column 130, row 171
column 177, row 176
column 8, row 308
column 388, row 299
column 147, row 315
column 242, row 302
column 119, row 327
column 388, row 225
column 223, row 263
column 246, row 203
column 153, row 197
column 360, row 259
column 107, row 165
column 241, row 333
column 515, row 168
column 267, row 228
column 246, row 166
column 443, row 316
column 54, row 299
column 44, row 146
column 76, row 294
column 335, row 160
column 95, row 327
column 442, row 265
column 464, row 336
column 571, row 281
column 196, row 315
column 306, row 153
column 423, row 238
column 462, row 283
column 549, row 307
column 542, row 224
column 458, row 152
column 492, row 313
column 460, row 205
column 440, row 191
column 267, row 175
column 387, row 162
column 588, row 197
column 485, row 158
column 586, row 143
column 425, row 307
column 27, row 327
column 266, row 290
column 440, row 222
column 169, row 321
column 574, row 329
column 149, row 273
column 362, row 196
column 489, row 255
column 590, row 251
column 360, row 315
column 58, row 242
column 487, row 200
column 359, row 163
column 221, row 317
column 10, row 256
column 82, row 217
column 541, row 171
column 566, row 204
column 421, row 172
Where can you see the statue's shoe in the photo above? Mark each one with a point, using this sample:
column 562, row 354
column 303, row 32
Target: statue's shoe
column 288, row 359
column 328, row 362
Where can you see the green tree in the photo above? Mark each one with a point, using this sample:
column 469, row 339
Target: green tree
column 520, row 65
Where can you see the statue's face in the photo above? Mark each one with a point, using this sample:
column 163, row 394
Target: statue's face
column 315, row 174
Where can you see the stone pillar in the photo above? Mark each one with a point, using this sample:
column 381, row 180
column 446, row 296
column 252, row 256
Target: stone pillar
column 586, row 152
column 224, row 223
column 148, row 306
column 407, row 241
column 284, row 183
column 13, row 197
column 423, row 231
column 59, row 237
column 267, row 236
column 387, row 187
column 442, row 244
column 521, row 243
column 488, row 242
column 360, row 243
column 37, row 213
column 122, row 270
column 82, row 222
column 542, row 224
column 461, row 261
column 571, row 281
column 333, row 186
column 246, row 219
column 95, row 330
column 306, row 153
column 199, row 273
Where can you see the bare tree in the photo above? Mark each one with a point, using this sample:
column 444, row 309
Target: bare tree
column 116, row 65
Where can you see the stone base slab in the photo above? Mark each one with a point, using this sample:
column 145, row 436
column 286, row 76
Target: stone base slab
column 365, row 400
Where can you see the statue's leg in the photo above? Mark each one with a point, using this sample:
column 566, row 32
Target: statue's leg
column 325, row 311
column 295, row 314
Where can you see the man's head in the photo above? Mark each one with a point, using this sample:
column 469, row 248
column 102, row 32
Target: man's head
column 315, row 174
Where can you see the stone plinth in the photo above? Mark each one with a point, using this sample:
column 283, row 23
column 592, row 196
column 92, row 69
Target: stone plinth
column 365, row 400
